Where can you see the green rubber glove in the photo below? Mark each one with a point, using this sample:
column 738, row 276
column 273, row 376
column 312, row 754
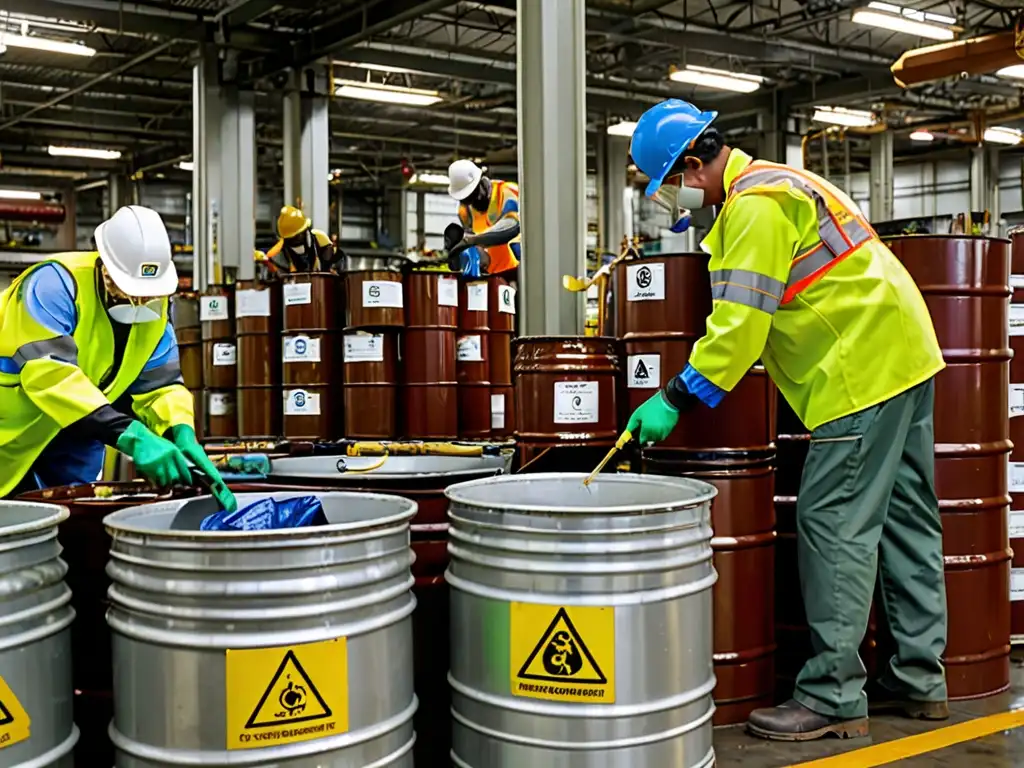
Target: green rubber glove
column 656, row 419
column 185, row 438
column 158, row 460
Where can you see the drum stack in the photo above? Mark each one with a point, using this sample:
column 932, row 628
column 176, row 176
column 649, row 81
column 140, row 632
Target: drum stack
column 220, row 358
column 473, row 358
column 1016, row 479
column 185, row 319
column 257, row 326
column 501, row 297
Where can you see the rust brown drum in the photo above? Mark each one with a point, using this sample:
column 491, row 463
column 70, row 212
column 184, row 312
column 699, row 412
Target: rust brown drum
column 86, row 547
column 257, row 325
column 424, row 480
column 374, row 297
column 1016, row 473
column 473, row 355
column 965, row 281
column 502, row 323
column 311, row 301
column 220, row 358
column 188, row 332
column 371, row 385
column 430, row 383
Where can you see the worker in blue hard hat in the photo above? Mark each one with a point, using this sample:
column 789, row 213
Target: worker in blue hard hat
column 800, row 280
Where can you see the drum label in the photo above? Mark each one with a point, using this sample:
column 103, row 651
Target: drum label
column 1017, row 281
column 469, row 349
column 576, row 402
column 300, row 349
column 1016, row 585
column 645, row 282
column 447, row 291
column 644, row 371
column 562, row 653
column 213, row 308
column 364, row 348
column 497, row 411
column 297, row 293
column 299, row 402
column 382, row 294
column 221, row 403
column 1016, row 523
column 252, row 303
column 476, row 297
column 15, row 724
column 507, row 299
column 1016, row 400
column 1016, row 477
column 286, row 694
column 1017, row 319
column 224, row 354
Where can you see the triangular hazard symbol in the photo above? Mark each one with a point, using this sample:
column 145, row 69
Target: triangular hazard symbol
column 641, row 371
column 562, row 656
column 6, row 718
column 291, row 697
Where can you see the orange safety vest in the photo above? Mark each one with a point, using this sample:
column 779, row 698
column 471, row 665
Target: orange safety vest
column 502, row 257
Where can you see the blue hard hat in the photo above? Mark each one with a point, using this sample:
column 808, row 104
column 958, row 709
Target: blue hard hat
column 662, row 134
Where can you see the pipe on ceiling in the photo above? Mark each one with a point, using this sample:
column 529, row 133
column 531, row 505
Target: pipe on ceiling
column 974, row 56
column 20, row 210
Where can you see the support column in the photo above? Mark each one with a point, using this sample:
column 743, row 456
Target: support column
column 224, row 177
column 612, row 159
column 985, row 184
column 880, row 175
column 118, row 189
column 771, row 136
column 307, row 144
column 550, row 53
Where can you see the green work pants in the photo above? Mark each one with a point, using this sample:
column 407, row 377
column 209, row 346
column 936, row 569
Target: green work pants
column 867, row 506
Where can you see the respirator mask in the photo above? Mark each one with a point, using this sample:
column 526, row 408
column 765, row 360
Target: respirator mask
column 678, row 200
column 130, row 310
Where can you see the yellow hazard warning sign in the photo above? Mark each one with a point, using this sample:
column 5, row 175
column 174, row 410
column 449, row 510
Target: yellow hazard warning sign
column 14, row 720
column 563, row 653
column 286, row 694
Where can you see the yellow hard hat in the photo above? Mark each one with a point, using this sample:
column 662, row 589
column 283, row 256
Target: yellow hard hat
column 291, row 222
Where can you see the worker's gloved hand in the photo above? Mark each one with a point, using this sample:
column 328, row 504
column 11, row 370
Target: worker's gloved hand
column 469, row 261
column 184, row 437
column 655, row 420
column 158, row 460
column 453, row 235
column 682, row 224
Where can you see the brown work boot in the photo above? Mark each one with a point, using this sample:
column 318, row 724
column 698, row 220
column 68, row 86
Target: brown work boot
column 793, row 721
column 881, row 699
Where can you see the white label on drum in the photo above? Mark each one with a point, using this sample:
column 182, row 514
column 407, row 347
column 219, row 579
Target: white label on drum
column 1016, row 400
column 299, row 402
column 507, row 299
column 497, row 411
column 447, row 291
column 576, row 402
column 252, row 303
column 470, row 350
column 297, row 293
column 1015, row 523
column 300, row 349
column 382, row 293
column 1017, row 281
column 645, row 282
column 1016, row 477
column 1017, row 319
column 221, row 403
column 476, row 297
column 1016, row 585
column 213, row 308
column 224, row 354
column 644, row 371
column 364, row 348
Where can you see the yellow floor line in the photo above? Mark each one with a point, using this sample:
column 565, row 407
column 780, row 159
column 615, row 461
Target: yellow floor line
column 909, row 746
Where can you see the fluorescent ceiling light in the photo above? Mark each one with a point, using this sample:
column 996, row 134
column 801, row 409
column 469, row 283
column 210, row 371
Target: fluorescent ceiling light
column 45, row 44
column 719, row 79
column 851, row 118
column 999, row 134
column 96, row 154
column 907, row 20
column 428, row 178
column 390, row 94
column 622, row 128
column 1015, row 71
column 19, row 194
column 187, row 165
column 922, row 136
column 373, row 67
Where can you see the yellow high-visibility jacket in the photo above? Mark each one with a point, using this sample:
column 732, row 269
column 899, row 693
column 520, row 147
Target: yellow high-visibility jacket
column 50, row 380
column 800, row 280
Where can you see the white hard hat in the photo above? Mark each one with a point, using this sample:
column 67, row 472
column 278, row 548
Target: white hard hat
column 463, row 176
column 136, row 251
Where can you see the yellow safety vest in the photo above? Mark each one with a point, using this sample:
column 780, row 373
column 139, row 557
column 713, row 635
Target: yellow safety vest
column 502, row 257
column 800, row 280
column 47, row 394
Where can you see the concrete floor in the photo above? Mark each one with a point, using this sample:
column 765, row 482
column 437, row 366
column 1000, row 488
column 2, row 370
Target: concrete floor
column 735, row 748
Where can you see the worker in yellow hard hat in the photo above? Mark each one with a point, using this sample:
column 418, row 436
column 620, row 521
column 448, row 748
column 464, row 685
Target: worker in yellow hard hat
column 300, row 247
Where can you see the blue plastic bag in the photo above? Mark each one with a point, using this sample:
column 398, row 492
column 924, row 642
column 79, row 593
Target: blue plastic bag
column 269, row 514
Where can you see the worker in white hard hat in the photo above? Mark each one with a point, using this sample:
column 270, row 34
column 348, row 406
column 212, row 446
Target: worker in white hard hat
column 84, row 341
column 486, row 239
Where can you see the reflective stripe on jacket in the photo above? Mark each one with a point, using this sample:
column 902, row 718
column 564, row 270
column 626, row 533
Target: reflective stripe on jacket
column 50, row 377
column 504, row 203
column 800, row 280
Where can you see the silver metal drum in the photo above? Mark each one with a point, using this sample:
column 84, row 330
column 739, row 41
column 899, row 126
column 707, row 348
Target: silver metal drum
column 37, row 729
column 581, row 622
column 288, row 648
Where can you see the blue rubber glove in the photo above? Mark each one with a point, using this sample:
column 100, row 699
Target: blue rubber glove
column 656, row 419
column 682, row 225
column 470, row 259
column 185, row 438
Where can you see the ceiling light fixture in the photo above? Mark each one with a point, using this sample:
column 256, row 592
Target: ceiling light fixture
column 622, row 128
column 45, row 44
column 19, row 194
column 428, row 178
column 718, row 79
column 851, row 118
column 922, row 136
column 1015, row 71
column 187, row 165
column 1000, row 134
column 95, row 154
column 389, row 94
column 894, row 18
